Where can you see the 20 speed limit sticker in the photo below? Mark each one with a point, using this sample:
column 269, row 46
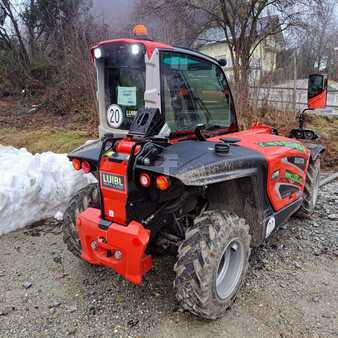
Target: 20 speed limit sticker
column 114, row 116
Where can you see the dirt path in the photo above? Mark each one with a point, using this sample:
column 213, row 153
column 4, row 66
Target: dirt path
column 291, row 289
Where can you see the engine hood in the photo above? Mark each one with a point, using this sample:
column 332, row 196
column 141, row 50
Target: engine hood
column 196, row 163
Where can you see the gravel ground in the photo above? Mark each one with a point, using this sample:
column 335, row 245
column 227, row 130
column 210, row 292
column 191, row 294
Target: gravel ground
column 291, row 289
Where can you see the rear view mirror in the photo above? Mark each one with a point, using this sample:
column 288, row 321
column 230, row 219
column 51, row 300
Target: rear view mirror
column 317, row 91
column 303, row 134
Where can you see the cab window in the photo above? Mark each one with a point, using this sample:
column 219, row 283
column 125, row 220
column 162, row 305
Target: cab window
column 194, row 91
column 124, row 80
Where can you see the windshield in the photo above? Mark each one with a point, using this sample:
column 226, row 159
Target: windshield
column 124, row 83
column 194, row 91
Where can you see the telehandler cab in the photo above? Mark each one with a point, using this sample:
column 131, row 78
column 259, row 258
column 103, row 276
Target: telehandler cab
column 175, row 173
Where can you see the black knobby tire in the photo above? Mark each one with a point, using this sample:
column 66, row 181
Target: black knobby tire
column 311, row 189
column 199, row 259
column 87, row 197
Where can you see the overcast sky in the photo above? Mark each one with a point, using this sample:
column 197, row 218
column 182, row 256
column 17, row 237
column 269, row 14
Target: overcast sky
column 117, row 11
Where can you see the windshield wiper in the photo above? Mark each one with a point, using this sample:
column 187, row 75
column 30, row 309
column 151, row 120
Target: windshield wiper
column 200, row 128
column 203, row 107
column 201, row 103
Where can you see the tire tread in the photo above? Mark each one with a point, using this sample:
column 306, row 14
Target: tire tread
column 195, row 260
column 83, row 199
column 307, row 208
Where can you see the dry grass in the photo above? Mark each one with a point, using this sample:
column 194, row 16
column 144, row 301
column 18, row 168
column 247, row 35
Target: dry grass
column 62, row 135
column 283, row 121
column 328, row 130
column 56, row 140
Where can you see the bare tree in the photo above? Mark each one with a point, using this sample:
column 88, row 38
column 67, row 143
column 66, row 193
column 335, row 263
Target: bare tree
column 44, row 50
column 246, row 24
column 172, row 21
column 7, row 10
column 315, row 38
column 242, row 22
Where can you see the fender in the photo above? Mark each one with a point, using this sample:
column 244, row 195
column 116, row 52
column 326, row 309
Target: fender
column 89, row 152
column 197, row 164
column 316, row 150
column 245, row 198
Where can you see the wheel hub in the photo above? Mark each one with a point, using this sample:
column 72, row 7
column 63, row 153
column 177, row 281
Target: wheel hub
column 229, row 269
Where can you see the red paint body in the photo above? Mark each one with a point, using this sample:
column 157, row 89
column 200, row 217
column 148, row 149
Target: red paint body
column 274, row 157
column 130, row 240
column 114, row 200
column 124, row 147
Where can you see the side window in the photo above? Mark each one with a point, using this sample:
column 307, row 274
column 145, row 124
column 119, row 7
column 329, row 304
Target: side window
column 194, row 91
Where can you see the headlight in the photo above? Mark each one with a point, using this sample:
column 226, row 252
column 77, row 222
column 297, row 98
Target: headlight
column 135, row 49
column 98, row 53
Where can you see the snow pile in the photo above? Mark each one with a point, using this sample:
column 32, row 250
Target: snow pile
column 35, row 187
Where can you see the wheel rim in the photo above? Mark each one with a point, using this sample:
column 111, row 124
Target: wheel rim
column 229, row 269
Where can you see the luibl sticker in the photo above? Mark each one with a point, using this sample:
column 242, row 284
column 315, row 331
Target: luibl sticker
column 289, row 144
column 112, row 181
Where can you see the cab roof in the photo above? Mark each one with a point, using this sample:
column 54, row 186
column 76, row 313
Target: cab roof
column 148, row 44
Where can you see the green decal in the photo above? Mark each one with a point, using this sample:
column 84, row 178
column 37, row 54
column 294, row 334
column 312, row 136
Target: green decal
column 289, row 144
column 293, row 177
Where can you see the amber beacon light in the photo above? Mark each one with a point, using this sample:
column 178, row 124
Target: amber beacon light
column 140, row 30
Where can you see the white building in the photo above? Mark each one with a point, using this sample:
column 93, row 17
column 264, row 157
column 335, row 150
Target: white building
column 264, row 59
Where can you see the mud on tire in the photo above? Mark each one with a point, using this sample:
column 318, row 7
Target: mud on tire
column 200, row 256
column 83, row 199
column 310, row 190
